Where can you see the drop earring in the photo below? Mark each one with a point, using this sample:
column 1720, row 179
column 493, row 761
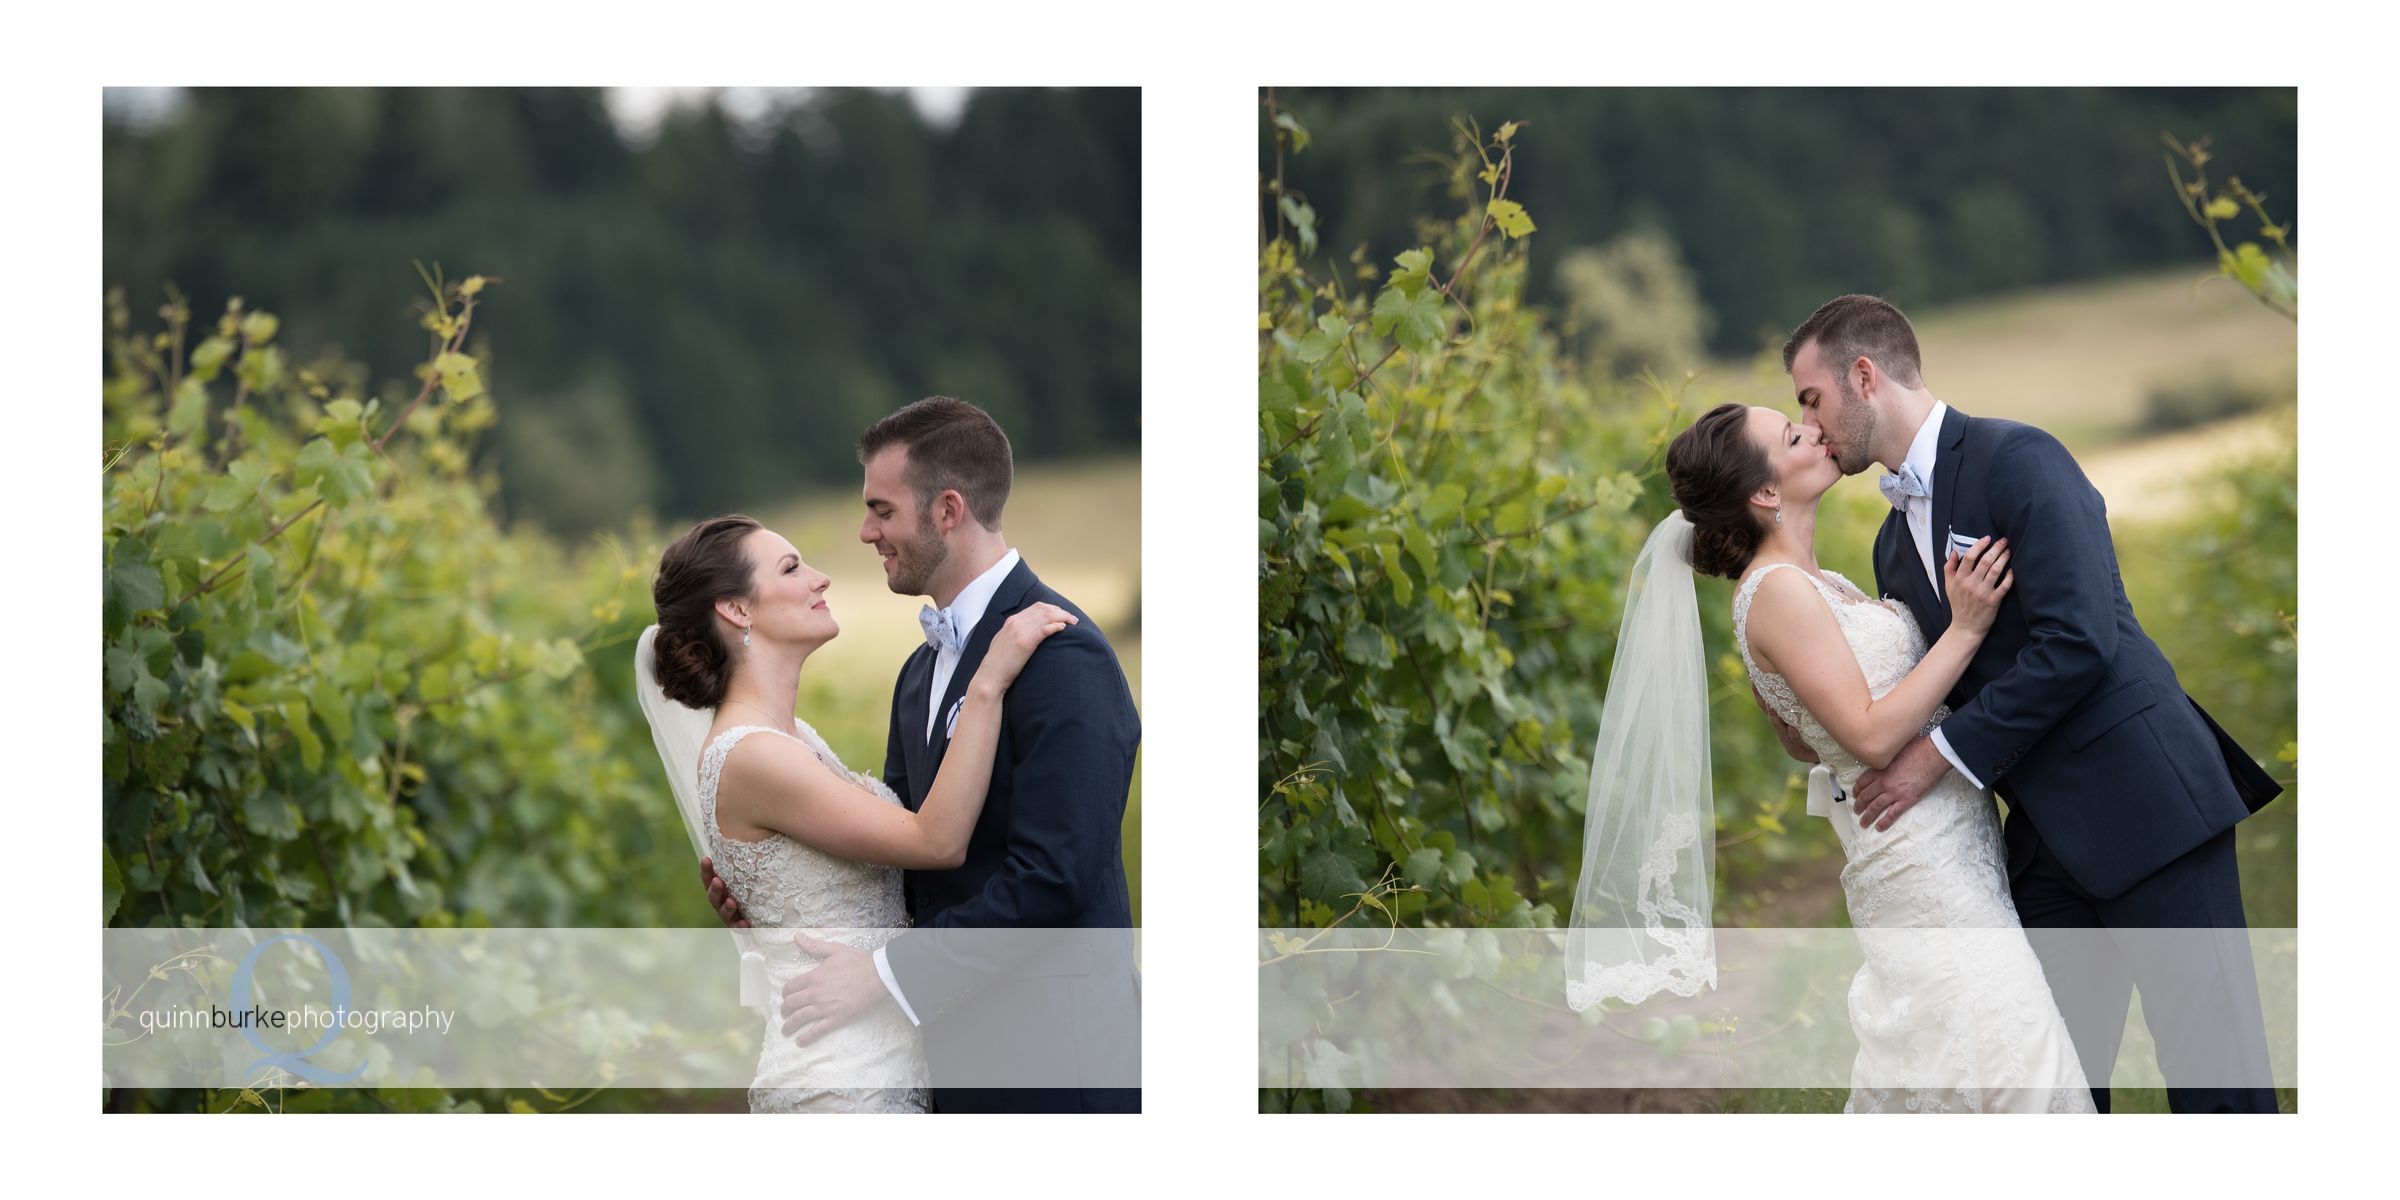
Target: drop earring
column 1778, row 520
column 746, row 629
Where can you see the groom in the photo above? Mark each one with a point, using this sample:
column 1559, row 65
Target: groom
column 2122, row 794
column 1021, row 969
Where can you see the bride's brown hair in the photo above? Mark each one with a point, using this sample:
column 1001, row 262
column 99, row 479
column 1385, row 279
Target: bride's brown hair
column 702, row 567
column 1712, row 469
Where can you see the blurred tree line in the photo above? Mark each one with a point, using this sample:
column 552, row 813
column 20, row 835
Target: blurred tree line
column 1715, row 214
column 817, row 269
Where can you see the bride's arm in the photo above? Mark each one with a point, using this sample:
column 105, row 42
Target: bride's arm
column 780, row 786
column 1794, row 634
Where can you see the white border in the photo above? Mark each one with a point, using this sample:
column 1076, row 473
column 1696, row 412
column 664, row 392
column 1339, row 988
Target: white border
column 1199, row 68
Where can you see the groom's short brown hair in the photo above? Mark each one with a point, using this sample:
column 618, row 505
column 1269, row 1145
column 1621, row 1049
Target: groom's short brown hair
column 951, row 445
column 1846, row 328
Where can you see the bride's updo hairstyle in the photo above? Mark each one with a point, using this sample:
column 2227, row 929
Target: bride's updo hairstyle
column 1712, row 469
column 702, row 567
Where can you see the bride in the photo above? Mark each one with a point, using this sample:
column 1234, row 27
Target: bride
column 806, row 844
column 1950, row 1009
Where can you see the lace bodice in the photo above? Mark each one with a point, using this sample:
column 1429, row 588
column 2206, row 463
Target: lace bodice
column 1883, row 635
column 1951, row 1008
column 875, row 1064
column 784, row 884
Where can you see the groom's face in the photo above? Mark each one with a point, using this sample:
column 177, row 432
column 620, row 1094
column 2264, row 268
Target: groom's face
column 1826, row 403
column 900, row 529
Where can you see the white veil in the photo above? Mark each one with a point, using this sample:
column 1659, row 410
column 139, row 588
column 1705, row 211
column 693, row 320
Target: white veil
column 1640, row 924
column 680, row 734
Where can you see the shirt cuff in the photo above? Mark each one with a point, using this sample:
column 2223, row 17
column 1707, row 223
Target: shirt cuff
column 1939, row 743
column 883, row 971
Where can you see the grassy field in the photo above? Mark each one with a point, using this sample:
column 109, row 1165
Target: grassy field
column 2079, row 360
column 1078, row 525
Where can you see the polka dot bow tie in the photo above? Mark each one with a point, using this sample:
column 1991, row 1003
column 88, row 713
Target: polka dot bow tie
column 1898, row 488
column 941, row 630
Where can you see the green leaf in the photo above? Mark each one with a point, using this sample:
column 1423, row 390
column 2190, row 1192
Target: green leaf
column 1617, row 493
column 1304, row 221
column 268, row 814
column 557, row 659
column 459, row 376
column 138, row 587
column 1366, row 645
column 1285, row 121
column 1333, row 869
column 1416, row 323
column 191, row 409
column 1403, row 590
column 1424, row 867
column 1411, row 277
column 1322, row 341
column 312, row 750
column 112, row 886
column 259, row 328
column 333, row 708
column 341, row 425
column 262, row 576
column 1420, row 547
column 209, row 357
column 239, row 483
column 341, row 476
column 1510, row 217
column 1443, row 504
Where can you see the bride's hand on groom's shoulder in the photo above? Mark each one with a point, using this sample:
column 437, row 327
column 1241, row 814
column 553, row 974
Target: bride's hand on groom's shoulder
column 720, row 897
column 1015, row 643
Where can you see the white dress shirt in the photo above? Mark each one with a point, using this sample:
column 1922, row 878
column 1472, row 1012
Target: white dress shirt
column 966, row 610
column 1924, row 455
column 1919, row 512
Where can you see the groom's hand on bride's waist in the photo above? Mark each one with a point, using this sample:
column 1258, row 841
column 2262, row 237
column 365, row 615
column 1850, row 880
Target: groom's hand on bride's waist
column 1882, row 795
column 720, row 897
column 841, row 989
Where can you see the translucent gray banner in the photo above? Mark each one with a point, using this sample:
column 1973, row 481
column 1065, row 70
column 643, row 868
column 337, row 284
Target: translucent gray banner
column 568, row 1008
column 1488, row 1008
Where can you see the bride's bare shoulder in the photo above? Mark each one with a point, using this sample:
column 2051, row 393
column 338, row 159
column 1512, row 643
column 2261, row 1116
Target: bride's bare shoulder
column 1776, row 588
column 766, row 757
column 1782, row 600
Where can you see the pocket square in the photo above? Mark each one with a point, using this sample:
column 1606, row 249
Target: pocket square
column 1961, row 543
column 950, row 726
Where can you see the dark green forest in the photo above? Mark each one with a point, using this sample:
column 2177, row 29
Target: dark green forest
column 699, row 323
column 1781, row 198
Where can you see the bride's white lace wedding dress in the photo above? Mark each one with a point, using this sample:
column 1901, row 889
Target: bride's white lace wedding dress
column 1951, row 1011
column 873, row 1064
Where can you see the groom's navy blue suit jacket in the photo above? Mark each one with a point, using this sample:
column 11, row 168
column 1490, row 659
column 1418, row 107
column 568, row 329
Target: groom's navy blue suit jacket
column 1046, row 855
column 2067, row 710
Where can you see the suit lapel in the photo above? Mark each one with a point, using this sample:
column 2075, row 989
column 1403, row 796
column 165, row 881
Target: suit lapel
column 1945, row 484
column 1950, row 443
column 915, row 676
column 1006, row 600
column 1898, row 571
